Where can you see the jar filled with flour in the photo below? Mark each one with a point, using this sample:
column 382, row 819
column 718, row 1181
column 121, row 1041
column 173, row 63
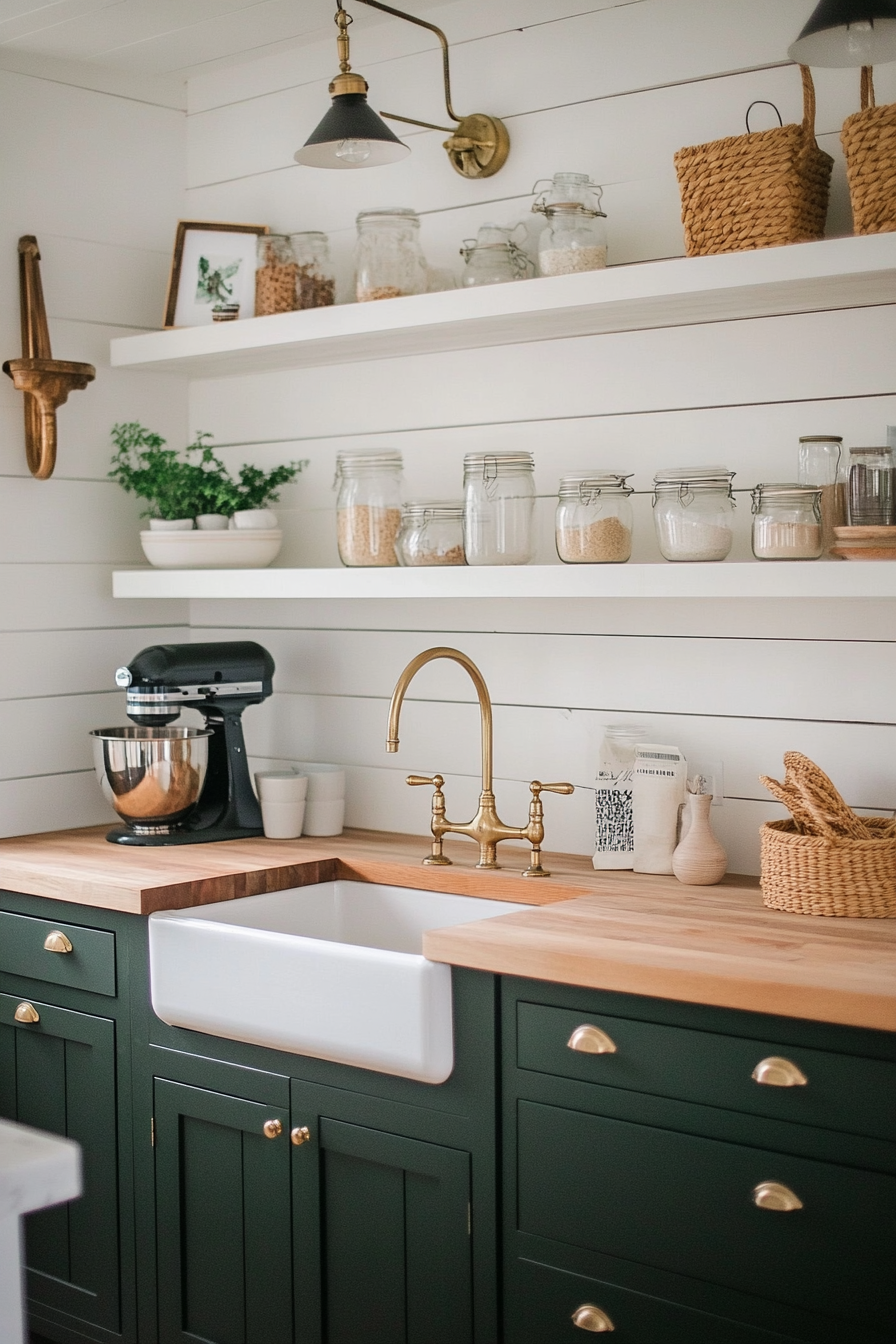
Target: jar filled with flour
column 693, row 512
column 659, row 787
column 614, row 838
column 575, row 238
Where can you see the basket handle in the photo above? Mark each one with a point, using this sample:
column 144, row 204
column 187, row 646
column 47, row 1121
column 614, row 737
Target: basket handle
column 867, row 88
column 808, row 101
column 762, row 102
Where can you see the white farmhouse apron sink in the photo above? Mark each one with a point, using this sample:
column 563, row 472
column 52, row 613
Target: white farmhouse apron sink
column 334, row 970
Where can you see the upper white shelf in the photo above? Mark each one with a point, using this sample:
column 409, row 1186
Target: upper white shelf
column 806, row 277
column 817, row 578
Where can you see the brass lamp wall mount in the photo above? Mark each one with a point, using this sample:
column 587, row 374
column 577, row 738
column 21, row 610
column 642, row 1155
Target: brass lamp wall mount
column 45, row 381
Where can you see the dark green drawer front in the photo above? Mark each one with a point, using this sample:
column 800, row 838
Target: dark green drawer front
column 857, row 1096
column 684, row 1204
column 541, row 1302
column 90, row 964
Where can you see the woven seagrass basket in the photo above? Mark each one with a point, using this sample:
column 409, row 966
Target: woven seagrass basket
column 869, row 143
column 762, row 189
column 812, row 875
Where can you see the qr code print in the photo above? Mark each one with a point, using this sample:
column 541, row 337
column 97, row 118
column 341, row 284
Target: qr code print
column 615, row 832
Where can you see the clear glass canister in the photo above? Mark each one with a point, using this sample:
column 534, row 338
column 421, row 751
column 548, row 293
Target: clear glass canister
column 432, row 533
column 492, row 258
column 275, row 275
column 575, row 238
column 499, row 498
column 693, row 512
column 820, row 462
column 368, row 507
column 787, row 522
column 871, row 487
column 594, row 519
column 390, row 261
column 315, row 280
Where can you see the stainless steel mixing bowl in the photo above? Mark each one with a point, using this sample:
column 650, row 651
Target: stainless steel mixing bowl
column 152, row 776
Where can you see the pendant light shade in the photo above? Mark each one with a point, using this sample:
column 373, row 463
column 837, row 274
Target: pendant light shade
column 848, row 33
column 351, row 135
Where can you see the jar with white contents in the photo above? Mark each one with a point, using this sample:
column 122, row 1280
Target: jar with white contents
column 594, row 519
column 575, row 238
column 499, row 498
column 432, row 533
column 693, row 512
column 787, row 522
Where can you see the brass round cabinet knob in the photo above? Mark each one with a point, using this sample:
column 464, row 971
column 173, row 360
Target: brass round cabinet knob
column 272, row 1129
column 776, row 1197
column 57, row 942
column 591, row 1318
column 779, row 1072
column 590, row 1040
column 301, row 1134
column 26, row 1012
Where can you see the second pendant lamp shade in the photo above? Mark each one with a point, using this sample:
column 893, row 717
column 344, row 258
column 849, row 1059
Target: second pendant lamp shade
column 352, row 120
column 843, row 33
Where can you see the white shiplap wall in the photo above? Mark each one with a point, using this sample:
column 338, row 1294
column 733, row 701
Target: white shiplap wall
column 97, row 176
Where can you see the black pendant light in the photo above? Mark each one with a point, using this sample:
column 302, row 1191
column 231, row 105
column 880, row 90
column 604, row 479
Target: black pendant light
column 848, row 33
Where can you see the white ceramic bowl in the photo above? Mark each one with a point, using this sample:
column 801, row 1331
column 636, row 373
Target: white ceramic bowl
column 211, row 550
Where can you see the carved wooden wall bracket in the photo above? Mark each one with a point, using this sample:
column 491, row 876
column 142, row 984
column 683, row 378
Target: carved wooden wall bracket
column 45, row 381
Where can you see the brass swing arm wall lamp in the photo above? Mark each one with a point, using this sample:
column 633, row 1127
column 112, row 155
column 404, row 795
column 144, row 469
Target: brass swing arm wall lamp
column 351, row 135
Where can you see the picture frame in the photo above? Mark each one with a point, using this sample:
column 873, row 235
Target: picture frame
column 212, row 263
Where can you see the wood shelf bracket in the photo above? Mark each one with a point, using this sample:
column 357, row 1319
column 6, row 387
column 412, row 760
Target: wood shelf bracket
column 45, row 381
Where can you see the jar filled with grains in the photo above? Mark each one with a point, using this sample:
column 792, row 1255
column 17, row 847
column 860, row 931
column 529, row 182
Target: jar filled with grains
column 594, row 519
column 575, row 238
column 499, row 498
column 368, row 507
column 820, row 459
column 275, row 275
column 315, row 281
column 390, row 261
column 432, row 533
column 787, row 522
column 693, row 512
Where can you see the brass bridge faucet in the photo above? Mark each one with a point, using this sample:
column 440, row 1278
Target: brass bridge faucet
column 486, row 828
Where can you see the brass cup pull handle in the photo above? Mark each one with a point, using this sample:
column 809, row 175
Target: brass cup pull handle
column 776, row 1197
column 436, row 780
column 272, row 1129
column 57, row 942
column 591, row 1318
column 778, row 1072
column 301, row 1134
column 26, row 1012
column 590, row 1040
column 537, row 787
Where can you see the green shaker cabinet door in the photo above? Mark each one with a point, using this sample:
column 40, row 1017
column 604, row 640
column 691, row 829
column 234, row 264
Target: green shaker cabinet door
column 58, row 1074
column 223, row 1218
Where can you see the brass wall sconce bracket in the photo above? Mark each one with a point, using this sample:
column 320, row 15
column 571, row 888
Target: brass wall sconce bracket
column 45, row 381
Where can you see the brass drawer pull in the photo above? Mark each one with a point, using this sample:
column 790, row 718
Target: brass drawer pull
column 272, row 1129
column 301, row 1134
column 590, row 1040
column 776, row 1197
column 57, row 942
column 26, row 1012
column 591, row 1318
column 778, row 1072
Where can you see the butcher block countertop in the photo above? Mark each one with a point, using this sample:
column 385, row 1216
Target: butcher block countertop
column 618, row 931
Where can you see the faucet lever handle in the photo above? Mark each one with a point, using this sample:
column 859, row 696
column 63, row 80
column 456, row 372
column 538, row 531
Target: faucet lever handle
column 435, row 780
column 537, row 787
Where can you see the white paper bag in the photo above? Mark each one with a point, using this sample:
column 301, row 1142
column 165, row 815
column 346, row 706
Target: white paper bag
column 659, row 788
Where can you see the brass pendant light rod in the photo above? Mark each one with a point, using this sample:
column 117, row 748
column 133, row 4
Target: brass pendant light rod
column 446, row 72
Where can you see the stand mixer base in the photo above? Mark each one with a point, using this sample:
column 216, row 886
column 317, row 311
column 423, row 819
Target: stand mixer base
column 123, row 835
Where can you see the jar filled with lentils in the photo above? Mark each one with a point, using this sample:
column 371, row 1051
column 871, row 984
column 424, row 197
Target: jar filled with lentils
column 594, row 519
column 368, row 507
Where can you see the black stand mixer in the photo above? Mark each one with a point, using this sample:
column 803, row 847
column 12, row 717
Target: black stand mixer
column 182, row 786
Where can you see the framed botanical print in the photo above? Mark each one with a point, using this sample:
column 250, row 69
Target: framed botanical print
column 212, row 273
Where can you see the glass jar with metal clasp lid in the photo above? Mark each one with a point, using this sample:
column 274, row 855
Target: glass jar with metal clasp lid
column 368, row 507
column 492, row 257
column 432, row 533
column 787, row 521
column 390, row 261
column 594, row 519
column 693, row 510
column 575, row 238
column 499, row 498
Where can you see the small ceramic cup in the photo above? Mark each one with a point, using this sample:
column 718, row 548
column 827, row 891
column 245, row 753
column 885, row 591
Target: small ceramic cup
column 281, row 794
column 253, row 520
column 171, row 524
column 325, row 818
column 326, row 783
column 212, row 522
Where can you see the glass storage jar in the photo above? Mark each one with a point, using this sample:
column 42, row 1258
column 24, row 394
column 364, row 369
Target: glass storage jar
column 432, row 533
column 871, row 487
column 820, row 459
column 787, row 522
column 499, row 498
column 693, row 511
column 275, row 275
column 315, row 280
column 390, row 261
column 575, row 238
column 594, row 519
column 368, row 507
column 492, row 258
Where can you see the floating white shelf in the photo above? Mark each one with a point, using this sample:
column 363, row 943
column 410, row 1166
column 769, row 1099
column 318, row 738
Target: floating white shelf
column 807, row 277
column 785, row 579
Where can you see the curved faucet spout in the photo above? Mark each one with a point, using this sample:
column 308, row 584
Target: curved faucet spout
column 485, row 704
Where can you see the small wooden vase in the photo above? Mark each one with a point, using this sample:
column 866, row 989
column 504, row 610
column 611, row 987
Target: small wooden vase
column 699, row 860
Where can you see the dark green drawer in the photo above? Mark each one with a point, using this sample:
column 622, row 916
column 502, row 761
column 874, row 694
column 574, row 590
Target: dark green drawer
column 853, row 1095
column 89, row 965
column 542, row 1301
column 685, row 1204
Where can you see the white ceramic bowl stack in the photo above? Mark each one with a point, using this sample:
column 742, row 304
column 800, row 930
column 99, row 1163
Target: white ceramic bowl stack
column 251, row 540
column 325, row 805
column 281, row 794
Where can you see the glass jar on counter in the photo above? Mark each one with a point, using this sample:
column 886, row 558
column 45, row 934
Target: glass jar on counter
column 315, row 279
column 693, row 512
column 575, row 238
column 787, row 522
column 594, row 519
column 368, row 507
column 432, row 533
column 871, row 487
column 492, row 258
column 390, row 261
column 275, row 275
column 499, row 499
column 820, row 459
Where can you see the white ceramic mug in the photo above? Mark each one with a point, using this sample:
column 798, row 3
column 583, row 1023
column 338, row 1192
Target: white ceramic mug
column 326, row 783
column 281, row 794
column 324, row 818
